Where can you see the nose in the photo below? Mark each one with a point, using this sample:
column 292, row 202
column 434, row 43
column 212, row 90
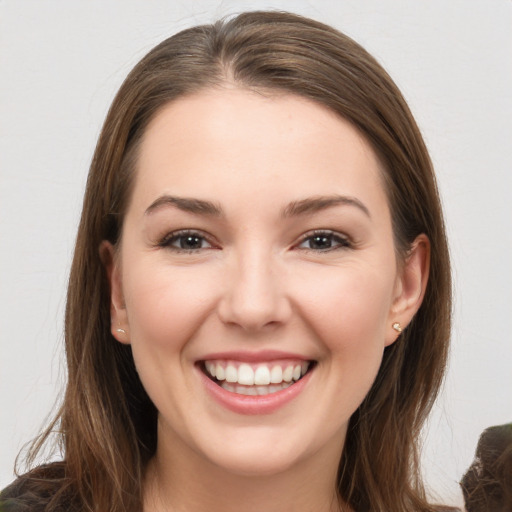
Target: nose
column 254, row 297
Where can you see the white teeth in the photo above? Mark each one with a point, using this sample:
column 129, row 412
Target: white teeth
column 228, row 387
column 276, row 375
column 254, row 390
column 262, row 376
column 252, row 375
column 245, row 375
column 288, row 374
column 219, row 372
column 247, row 390
column 231, row 373
column 210, row 367
column 262, row 390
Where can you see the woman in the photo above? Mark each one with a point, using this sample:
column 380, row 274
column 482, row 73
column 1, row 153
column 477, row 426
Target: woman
column 259, row 304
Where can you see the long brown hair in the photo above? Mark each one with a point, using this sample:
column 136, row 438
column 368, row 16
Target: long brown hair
column 107, row 423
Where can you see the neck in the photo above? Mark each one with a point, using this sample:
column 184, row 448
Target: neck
column 179, row 480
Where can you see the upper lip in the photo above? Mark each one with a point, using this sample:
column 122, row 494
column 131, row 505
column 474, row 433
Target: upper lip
column 253, row 357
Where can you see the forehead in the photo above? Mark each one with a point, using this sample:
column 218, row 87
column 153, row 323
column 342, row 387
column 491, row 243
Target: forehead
column 239, row 141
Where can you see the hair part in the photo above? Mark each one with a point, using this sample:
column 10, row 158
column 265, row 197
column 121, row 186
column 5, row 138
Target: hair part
column 107, row 421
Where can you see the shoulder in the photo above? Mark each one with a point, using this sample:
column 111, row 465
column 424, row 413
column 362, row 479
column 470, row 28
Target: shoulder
column 43, row 488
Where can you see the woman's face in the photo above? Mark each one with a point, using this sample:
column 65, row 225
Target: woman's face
column 256, row 278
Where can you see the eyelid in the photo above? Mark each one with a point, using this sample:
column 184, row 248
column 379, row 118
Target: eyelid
column 345, row 241
column 165, row 241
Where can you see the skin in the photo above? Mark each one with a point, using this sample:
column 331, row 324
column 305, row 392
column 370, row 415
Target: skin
column 255, row 283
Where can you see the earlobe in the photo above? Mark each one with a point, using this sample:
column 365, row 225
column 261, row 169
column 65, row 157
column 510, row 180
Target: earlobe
column 118, row 317
column 410, row 287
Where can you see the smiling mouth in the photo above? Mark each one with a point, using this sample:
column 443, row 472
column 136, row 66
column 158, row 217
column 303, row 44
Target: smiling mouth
column 255, row 379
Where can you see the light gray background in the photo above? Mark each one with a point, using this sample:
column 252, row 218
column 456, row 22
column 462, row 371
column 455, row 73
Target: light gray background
column 60, row 65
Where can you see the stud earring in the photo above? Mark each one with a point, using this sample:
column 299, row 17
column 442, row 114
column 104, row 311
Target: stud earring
column 121, row 331
column 397, row 327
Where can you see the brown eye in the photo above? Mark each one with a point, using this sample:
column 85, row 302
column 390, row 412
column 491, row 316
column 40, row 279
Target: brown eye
column 189, row 242
column 323, row 241
column 186, row 241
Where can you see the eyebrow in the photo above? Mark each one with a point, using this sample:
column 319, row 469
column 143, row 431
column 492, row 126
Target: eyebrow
column 294, row 209
column 319, row 203
column 186, row 204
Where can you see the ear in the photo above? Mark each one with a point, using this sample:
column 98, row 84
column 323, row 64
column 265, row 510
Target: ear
column 118, row 317
column 409, row 288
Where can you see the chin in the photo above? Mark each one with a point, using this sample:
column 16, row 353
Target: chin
column 259, row 451
column 255, row 463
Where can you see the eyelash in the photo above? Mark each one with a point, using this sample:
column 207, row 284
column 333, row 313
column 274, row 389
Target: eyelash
column 169, row 239
column 342, row 241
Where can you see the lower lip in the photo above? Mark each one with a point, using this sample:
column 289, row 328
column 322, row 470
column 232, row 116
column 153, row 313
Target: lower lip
column 248, row 404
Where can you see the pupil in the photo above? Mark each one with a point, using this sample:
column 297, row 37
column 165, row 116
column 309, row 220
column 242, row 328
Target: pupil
column 321, row 242
column 190, row 242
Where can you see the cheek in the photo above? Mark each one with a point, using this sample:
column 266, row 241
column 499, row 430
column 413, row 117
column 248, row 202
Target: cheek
column 349, row 317
column 166, row 306
column 347, row 311
column 355, row 301
column 165, row 309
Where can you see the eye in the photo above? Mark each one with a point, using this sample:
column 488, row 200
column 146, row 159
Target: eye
column 185, row 241
column 323, row 241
